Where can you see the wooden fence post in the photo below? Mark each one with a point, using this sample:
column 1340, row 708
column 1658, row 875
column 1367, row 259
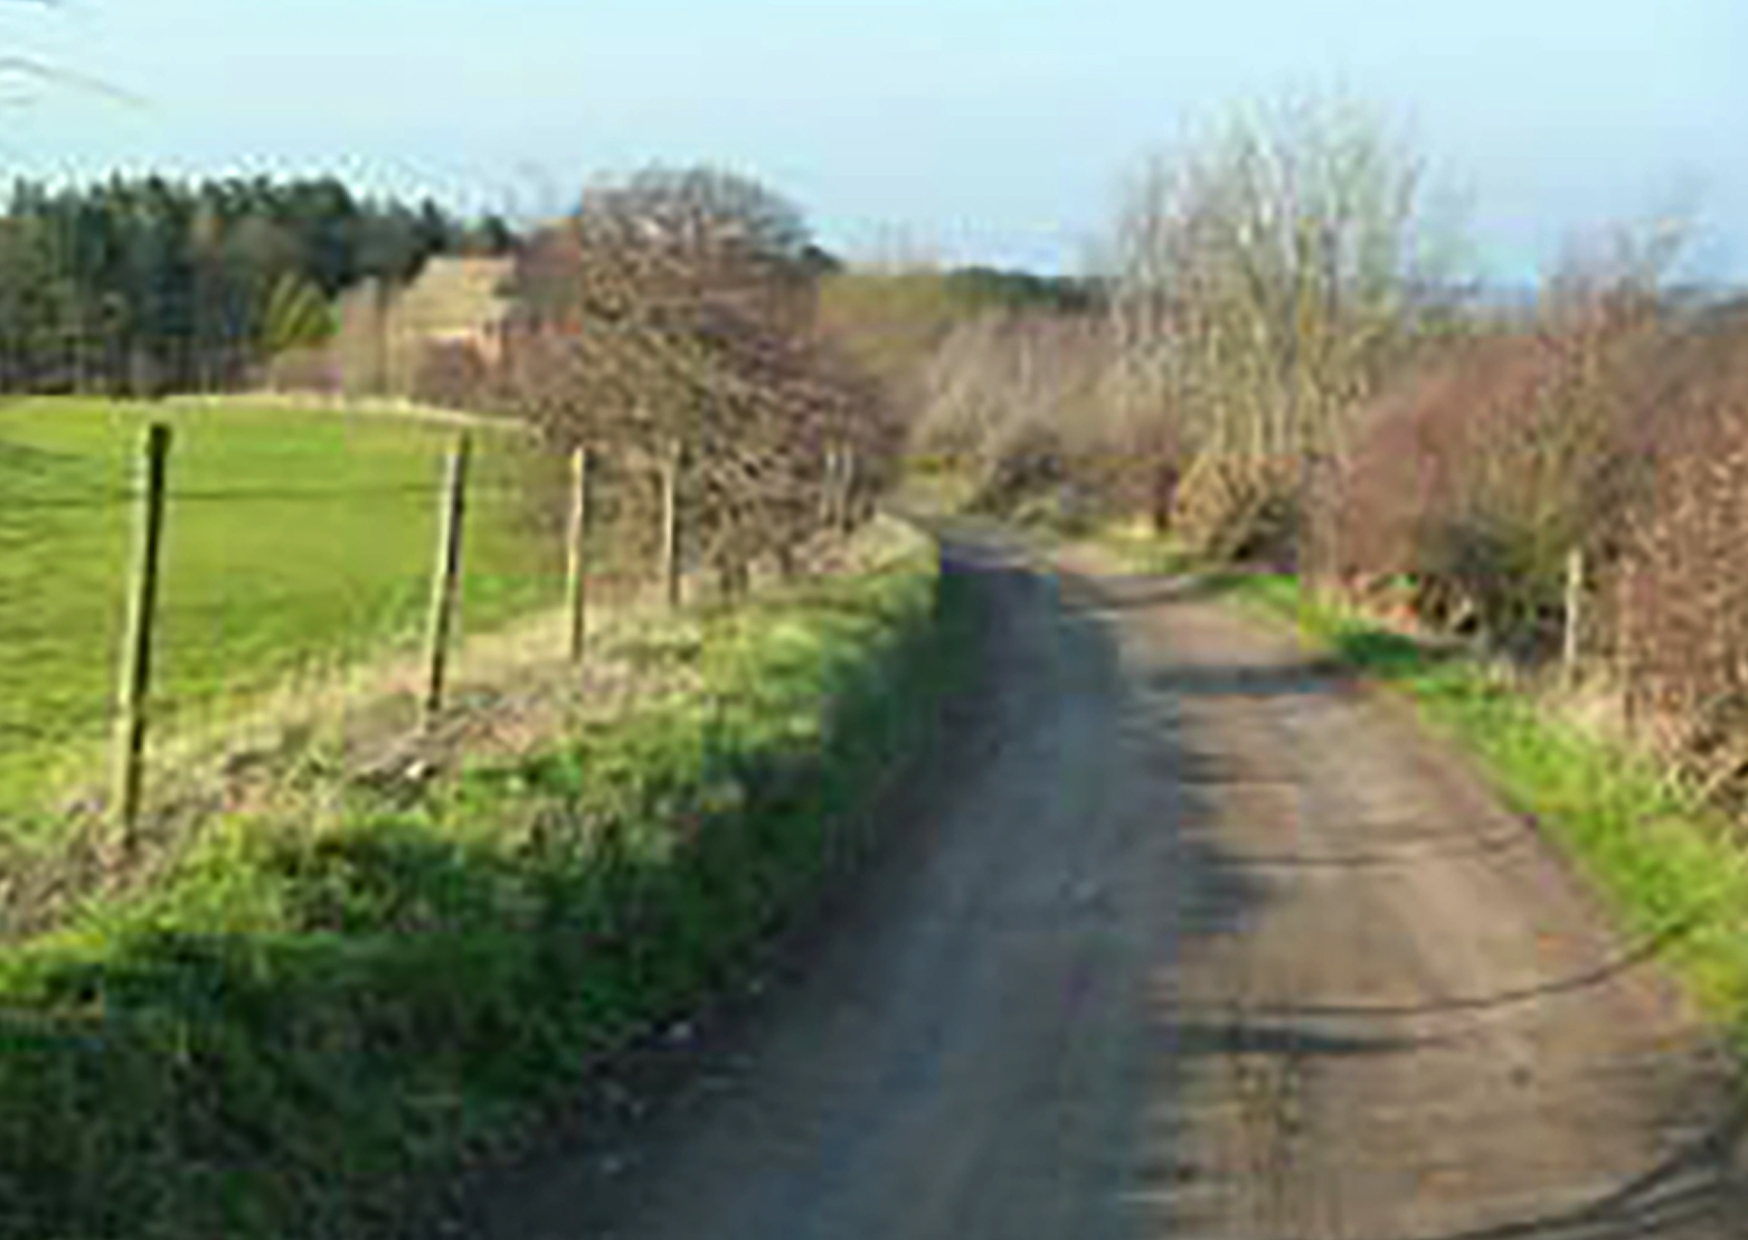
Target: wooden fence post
column 1626, row 668
column 829, row 488
column 671, row 525
column 136, row 665
column 446, row 579
column 847, row 484
column 1571, row 646
column 577, row 552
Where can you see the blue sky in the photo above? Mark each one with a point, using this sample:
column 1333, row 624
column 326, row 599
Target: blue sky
column 995, row 130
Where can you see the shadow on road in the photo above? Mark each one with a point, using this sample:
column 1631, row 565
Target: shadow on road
column 1700, row 1191
column 980, row 1035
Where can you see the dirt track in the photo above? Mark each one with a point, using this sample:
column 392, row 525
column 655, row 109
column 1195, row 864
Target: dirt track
column 1194, row 941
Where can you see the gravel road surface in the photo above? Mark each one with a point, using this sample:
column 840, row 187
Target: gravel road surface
column 1187, row 937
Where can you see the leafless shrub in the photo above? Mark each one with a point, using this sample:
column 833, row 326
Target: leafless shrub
column 1231, row 508
column 673, row 317
column 1680, row 595
column 1017, row 403
column 1493, row 458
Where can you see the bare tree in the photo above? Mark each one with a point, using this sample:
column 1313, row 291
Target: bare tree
column 1263, row 278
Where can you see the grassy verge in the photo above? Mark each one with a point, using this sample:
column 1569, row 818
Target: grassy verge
column 318, row 1012
column 1668, row 865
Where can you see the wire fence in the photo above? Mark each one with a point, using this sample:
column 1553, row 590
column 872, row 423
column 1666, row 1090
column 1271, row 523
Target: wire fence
column 279, row 563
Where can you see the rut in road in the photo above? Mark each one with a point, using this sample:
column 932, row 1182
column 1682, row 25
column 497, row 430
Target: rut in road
column 1190, row 940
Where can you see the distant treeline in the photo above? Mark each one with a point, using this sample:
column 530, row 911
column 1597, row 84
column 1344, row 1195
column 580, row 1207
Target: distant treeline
column 148, row 285
column 996, row 288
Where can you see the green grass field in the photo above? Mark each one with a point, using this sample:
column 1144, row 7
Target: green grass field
column 296, row 540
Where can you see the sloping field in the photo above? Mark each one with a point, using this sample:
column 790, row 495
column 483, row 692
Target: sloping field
column 296, row 540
